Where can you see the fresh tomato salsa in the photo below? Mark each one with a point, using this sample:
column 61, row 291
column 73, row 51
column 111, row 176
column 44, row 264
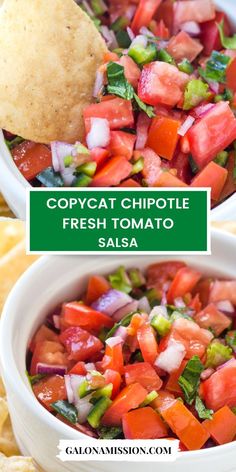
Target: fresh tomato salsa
column 142, row 356
column 164, row 104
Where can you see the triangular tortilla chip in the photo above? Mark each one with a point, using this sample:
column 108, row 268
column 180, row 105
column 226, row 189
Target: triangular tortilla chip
column 50, row 52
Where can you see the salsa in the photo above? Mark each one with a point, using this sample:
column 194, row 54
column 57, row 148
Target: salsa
column 164, row 104
column 142, row 356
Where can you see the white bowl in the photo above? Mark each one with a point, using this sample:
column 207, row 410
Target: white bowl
column 50, row 281
column 13, row 184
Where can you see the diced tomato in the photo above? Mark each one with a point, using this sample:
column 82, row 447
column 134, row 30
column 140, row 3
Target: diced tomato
column 112, row 173
column 203, row 290
column 184, row 282
column 122, row 144
column 172, row 382
column 183, row 46
column 110, row 57
column 213, row 176
column 220, row 389
column 144, row 14
column 147, row 343
column 196, row 303
column 143, row 423
column 143, row 373
column 113, row 359
column 128, row 399
column 212, row 318
column 44, row 334
column 161, row 272
column 78, row 314
column 50, row 390
column 212, row 133
column 31, row 158
column 80, row 344
column 194, row 338
column 79, row 369
column 180, row 164
column 117, row 111
column 160, row 29
column 97, row 286
column 190, row 10
column 132, row 71
column 114, row 377
column 99, row 155
column 48, row 352
column 230, row 75
column 165, row 13
column 230, row 184
column 163, row 399
column 210, row 37
column 129, row 183
column 222, row 427
column 136, row 322
column 167, row 179
column 142, row 127
column 161, row 83
column 186, row 427
column 223, row 290
column 163, row 136
column 152, row 165
column 184, row 144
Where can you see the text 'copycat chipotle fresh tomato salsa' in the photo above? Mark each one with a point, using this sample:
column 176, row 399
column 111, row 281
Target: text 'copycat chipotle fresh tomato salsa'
column 164, row 104
column 142, row 356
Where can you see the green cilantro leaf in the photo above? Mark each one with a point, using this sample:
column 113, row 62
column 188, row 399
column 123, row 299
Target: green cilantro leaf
column 227, row 43
column 190, row 379
column 203, row 412
column 117, row 83
column 215, row 67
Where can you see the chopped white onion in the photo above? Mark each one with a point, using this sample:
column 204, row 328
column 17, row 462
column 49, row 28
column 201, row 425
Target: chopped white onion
column 69, row 390
column 207, row 373
column 179, row 303
column 99, row 134
column 214, row 86
column 130, row 12
column 114, row 341
column 170, row 359
column 84, row 407
column 109, row 37
column 186, row 125
column 98, row 83
column 60, row 150
column 191, row 27
column 130, row 33
column 121, row 332
column 225, row 305
column 139, row 40
column 146, row 32
column 56, row 321
column 158, row 310
column 90, row 366
column 76, row 381
column 143, row 124
column 144, row 305
column 68, row 175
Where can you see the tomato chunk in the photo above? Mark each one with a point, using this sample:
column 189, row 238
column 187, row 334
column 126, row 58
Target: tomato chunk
column 152, row 165
column 48, row 352
column 99, row 155
column 212, row 134
column 44, row 334
column 132, row 71
column 78, row 314
column 147, row 343
column 31, row 158
column 122, row 144
column 163, row 136
column 212, row 318
column 144, row 14
column 223, row 290
column 117, row 111
column 167, row 179
column 230, row 184
column 128, row 399
column 186, row 427
column 129, row 183
column 143, row 373
column 184, row 282
column 114, row 377
column 116, row 170
column 213, row 176
column 183, row 46
column 80, row 344
column 97, row 286
column 172, row 382
column 220, row 389
column 113, row 359
column 143, row 423
column 164, row 398
column 194, row 338
column 79, row 369
column 230, row 75
column 50, row 390
column 222, row 427
column 162, row 272
column 161, row 83
column 190, row 10
column 210, row 37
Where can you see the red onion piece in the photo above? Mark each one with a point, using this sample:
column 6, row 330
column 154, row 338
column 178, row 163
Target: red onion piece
column 202, row 110
column 186, row 125
column 179, row 303
column 60, row 150
column 125, row 310
column 111, row 301
column 146, row 32
column 114, row 341
column 90, row 366
column 50, row 369
column 227, row 364
column 214, row 86
column 109, row 37
column 121, row 332
column 98, row 83
column 206, row 373
column 99, row 134
column 226, row 306
column 130, row 33
column 191, row 27
column 144, row 305
column 130, row 12
column 143, row 125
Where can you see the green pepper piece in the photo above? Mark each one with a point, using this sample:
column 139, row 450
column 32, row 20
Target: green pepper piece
column 98, row 411
column 66, row 410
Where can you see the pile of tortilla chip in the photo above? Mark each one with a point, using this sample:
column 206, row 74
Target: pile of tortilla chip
column 50, row 53
column 13, row 262
column 5, row 212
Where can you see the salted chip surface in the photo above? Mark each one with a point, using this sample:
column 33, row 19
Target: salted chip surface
column 16, row 464
column 50, row 52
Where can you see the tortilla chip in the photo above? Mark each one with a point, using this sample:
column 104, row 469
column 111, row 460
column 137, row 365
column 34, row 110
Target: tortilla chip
column 229, row 226
column 50, row 52
column 5, row 211
column 11, row 233
column 16, row 464
column 12, row 265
